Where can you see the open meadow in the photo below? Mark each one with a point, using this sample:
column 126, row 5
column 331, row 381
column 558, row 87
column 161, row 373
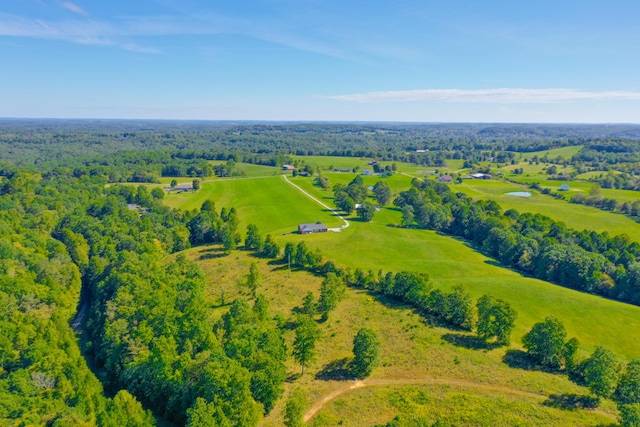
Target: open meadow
column 575, row 216
column 426, row 371
column 277, row 207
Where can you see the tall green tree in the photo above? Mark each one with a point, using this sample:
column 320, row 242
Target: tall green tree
column 253, row 241
column 366, row 353
column 382, row 193
column 496, row 319
column 545, row 342
column 304, row 345
column 253, row 279
column 270, row 248
column 366, row 211
column 628, row 390
column 332, row 291
column 294, row 410
column 602, row 372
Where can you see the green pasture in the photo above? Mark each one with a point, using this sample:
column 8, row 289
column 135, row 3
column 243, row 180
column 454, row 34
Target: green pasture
column 564, row 152
column 277, row 208
column 537, row 171
column 327, row 163
column 588, row 175
column 575, row 216
column 250, row 170
column 397, row 182
column 270, row 203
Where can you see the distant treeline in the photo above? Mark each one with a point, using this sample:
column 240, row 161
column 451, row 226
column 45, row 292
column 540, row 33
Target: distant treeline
column 54, row 142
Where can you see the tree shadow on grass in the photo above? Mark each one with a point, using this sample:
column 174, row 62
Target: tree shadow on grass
column 292, row 377
column 571, row 402
column 471, row 342
column 519, row 359
column 212, row 253
column 338, row 370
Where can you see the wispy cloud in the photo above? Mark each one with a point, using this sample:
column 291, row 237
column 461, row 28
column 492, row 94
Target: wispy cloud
column 74, row 8
column 492, row 96
column 124, row 31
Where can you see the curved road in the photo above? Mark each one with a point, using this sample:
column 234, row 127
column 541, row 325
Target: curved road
column 352, row 385
column 335, row 211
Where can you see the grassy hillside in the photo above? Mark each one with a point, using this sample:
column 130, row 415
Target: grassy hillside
column 276, row 207
column 270, row 203
column 423, row 372
column 564, row 152
column 575, row 216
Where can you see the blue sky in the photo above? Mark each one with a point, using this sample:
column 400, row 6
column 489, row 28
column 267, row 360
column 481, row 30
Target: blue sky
column 424, row 61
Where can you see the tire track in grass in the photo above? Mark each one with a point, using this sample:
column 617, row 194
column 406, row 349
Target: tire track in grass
column 353, row 385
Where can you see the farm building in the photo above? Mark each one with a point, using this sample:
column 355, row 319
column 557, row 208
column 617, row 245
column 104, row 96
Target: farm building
column 181, row 188
column 445, row 178
column 367, row 172
column 480, row 176
column 318, row 227
column 288, row 167
column 564, row 187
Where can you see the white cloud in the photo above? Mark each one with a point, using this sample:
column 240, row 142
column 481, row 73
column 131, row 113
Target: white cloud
column 493, row 96
column 74, row 8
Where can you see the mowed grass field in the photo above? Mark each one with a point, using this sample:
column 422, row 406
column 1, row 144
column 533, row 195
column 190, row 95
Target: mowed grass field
column 270, row 203
column 277, row 207
column 575, row 216
column 564, row 152
column 430, row 376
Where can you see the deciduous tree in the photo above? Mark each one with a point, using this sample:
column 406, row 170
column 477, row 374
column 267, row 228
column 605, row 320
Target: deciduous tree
column 366, row 353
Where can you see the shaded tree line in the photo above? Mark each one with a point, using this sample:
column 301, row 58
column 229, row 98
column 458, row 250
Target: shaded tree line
column 531, row 243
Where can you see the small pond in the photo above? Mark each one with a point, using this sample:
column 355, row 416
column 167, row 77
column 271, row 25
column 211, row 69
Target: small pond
column 519, row 194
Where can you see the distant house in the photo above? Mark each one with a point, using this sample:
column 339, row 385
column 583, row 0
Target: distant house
column 422, row 151
column 318, row 227
column 342, row 170
column 372, row 163
column 182, row 188
column 367, row 172
column 288, row 167
column 564, row 187
column 303, row 173
column 480, row 176
column 445, row 179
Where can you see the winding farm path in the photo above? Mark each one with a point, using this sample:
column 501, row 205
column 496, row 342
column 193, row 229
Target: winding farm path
column 334, row 211
column 353, row 385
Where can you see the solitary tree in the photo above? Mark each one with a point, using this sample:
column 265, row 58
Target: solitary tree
column 254, row 279
column 253, row 241
column 294, row 410
column 309, row 304
column 366, row 353
column 304, row 344
column 545, row 342
column 332, row 291
column 196, row 184
column 602, row 372
column 270, row 248
column 495, row 319
column 366, row 211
